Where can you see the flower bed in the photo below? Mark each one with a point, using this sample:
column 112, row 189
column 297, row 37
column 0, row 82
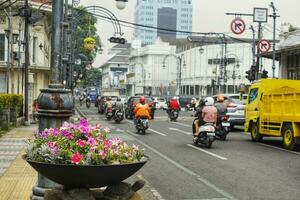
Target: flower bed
column 81, row 144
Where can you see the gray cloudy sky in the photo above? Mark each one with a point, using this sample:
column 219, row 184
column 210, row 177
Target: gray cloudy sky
column 208, row 16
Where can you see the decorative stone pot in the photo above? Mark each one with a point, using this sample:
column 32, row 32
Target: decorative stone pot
column 86, row 176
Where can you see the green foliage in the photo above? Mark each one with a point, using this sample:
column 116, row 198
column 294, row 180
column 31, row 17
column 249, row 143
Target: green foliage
column 11, row 101
column 91, row 77
column 293, row 28
column 85, row 28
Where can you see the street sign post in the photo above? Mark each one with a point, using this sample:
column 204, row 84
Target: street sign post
column 237, row 26
column 264, row 46
column 260, row 15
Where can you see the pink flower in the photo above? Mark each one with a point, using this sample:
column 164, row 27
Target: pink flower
column 107, row 144
column 106, row 130
column 98, row 126
column 76, row 158
column 115, row 141
column 80, row 143
column 102, row 154
column 51, row 145
column 71, row 136
column 91, row 141
column 84, row 122
column 85, row 130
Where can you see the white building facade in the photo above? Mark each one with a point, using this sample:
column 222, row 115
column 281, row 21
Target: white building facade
column 146, row 72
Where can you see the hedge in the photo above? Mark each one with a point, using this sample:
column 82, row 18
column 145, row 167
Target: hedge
column 11, row 101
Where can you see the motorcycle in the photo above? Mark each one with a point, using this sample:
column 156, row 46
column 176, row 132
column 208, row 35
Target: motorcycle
column 206, row 135
column 109, row 114
column 222, row 129
column 118, row 116
column 142, row 125
column 174, row 115
column 88, row 102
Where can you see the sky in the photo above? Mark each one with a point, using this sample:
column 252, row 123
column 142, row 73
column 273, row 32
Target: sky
column 208, row 16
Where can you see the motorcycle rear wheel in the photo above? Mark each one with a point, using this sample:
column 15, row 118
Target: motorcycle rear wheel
column 209, row 144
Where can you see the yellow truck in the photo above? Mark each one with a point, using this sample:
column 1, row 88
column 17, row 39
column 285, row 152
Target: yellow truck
column 273, row 109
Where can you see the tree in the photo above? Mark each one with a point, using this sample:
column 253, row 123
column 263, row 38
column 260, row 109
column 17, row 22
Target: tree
column 85, row 27
column 91, row 77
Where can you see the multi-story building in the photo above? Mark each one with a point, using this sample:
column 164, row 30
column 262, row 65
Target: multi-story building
column 12, row 58
column 164, row 14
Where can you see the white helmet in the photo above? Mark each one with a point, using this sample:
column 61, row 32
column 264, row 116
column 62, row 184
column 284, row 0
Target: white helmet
column 209, row 101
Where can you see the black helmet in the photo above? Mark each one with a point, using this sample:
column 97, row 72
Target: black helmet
column 202, row 102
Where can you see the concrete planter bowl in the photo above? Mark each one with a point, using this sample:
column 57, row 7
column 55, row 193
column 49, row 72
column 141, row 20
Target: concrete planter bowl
column 86, row 176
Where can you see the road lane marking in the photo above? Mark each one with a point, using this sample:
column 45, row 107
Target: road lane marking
column 154, row 131
column 188, row 171
column 157, row 132
column 182, row 124
column 207, row 152
column 180, row 131
column 132, row 133
column 278, row 148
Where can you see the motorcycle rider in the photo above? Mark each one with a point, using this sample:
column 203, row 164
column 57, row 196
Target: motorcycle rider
column 208, row 115
column 108, row 103
column 173, row 105
column 221, row 108
column 141, row 110
column 118, row 105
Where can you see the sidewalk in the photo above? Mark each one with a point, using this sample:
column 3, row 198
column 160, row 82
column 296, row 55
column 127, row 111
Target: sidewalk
column 17, row 177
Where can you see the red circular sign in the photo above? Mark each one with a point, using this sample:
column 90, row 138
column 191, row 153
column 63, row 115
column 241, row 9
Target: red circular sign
column 264, row 46
column 238, row 26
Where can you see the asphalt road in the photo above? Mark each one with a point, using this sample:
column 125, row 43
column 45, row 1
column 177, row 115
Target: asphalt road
column 234, row 169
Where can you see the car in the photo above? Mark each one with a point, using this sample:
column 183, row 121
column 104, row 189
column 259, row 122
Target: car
column 101, row 102
column 235, row 108
column 131, row 103
column 124, row 99
column 161, row 103
column 185, row 102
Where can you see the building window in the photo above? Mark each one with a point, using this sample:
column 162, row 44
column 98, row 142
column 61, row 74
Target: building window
column 2, row 46
column 34, row 49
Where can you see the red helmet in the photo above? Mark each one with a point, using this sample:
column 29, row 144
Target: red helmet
column 142, row 99
column 220, row 98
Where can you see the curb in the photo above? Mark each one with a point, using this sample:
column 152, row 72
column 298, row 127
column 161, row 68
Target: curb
column 81, row 114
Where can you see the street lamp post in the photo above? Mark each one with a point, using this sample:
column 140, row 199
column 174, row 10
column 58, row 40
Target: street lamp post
column 180, row 61
column 236, row 65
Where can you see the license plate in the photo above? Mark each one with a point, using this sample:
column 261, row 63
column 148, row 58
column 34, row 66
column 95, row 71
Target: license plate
column 175, row 113
column 120, row 114
column 211, row 134
column 225, row 124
